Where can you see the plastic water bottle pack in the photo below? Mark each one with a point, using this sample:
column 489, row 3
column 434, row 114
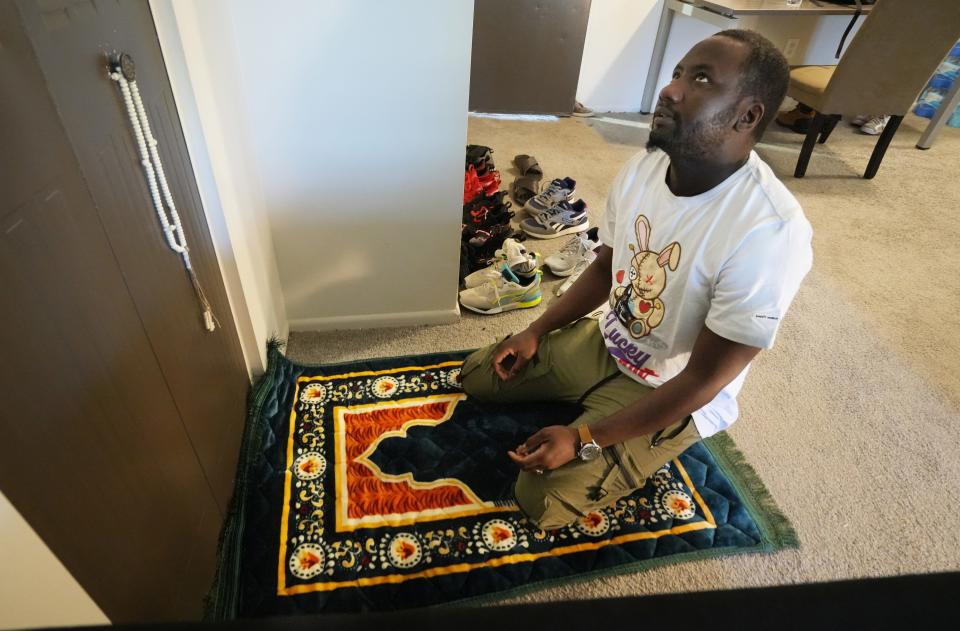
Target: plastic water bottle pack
column 939, row 86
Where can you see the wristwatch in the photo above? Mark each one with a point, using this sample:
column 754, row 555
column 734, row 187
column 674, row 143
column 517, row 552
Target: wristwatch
column 589, row 449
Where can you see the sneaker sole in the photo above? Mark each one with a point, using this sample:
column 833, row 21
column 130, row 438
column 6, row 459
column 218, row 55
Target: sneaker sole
column 562, row 233
column 508, row 307
column 563, row 274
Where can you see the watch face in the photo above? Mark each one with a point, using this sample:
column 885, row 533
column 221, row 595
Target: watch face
column 589, row 451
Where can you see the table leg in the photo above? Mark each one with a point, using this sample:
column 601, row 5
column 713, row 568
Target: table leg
column 656, row 61
column 940, row 117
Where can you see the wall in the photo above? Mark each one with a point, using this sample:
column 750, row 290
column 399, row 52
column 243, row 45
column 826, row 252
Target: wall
column 616, row 54
column 621, row 33
column 35, row 589
column 339, row 128
column 359, row 114
column 206, row 90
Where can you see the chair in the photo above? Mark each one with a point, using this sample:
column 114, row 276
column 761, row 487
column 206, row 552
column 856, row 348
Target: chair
column 888, row 62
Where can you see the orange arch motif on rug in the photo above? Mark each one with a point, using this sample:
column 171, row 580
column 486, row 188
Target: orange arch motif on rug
column 367, row 497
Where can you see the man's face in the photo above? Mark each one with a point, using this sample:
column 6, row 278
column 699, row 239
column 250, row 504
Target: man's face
column 697, row 109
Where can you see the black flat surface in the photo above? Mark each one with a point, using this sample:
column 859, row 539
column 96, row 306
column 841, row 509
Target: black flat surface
column 904, row 603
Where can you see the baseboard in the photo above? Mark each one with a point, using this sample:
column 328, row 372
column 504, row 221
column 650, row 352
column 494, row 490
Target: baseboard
column 377, row 320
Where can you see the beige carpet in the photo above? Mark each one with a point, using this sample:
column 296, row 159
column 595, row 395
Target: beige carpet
column 852, row 420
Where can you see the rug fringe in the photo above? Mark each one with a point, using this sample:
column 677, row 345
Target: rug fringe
column 222, row 601
column 777, row 527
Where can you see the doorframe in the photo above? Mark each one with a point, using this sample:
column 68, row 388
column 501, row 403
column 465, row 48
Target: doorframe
column 244, row 253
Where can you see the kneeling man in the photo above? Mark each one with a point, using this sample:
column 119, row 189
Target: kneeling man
column 704, row 251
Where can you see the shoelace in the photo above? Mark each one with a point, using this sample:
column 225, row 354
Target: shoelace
column 550, row 216
column 571, row 247
column 550, row 213
column 554, row 191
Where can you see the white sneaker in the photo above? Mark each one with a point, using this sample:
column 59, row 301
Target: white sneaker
column 506, row 293
column 512, row 254
column 875, row 125
column 582, row 265
column 573, row 252
column 859, row 120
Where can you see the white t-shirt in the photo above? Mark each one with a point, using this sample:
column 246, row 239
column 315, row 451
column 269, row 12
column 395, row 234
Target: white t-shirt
column 731, row 258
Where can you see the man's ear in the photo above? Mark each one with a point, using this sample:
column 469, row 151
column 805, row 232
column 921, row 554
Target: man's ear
column 750, row 117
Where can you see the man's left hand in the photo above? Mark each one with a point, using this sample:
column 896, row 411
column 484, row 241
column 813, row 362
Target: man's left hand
column 549, row 448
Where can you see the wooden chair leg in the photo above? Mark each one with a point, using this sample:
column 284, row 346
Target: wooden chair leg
column 881, row 147
column 815, row 126
column 828, row 127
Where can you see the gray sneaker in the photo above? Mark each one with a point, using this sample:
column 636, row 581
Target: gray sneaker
column 564, row 218
column 875, row 126
column 559, row 190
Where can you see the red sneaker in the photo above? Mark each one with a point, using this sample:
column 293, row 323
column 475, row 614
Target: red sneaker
column 471, row 184
column 490, row 181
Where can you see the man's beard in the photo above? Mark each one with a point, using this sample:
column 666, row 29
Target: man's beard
column 696, row 141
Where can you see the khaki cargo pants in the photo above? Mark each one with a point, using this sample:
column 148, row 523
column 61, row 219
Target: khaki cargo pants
column 572, row 364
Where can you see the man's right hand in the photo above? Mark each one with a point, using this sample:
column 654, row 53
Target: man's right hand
column 513, row 354
column 590, row 291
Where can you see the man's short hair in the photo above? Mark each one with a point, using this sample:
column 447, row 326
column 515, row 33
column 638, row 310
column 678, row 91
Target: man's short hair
column 766, row 73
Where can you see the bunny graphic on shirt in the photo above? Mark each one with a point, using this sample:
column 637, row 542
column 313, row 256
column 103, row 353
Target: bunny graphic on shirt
column 637, row 304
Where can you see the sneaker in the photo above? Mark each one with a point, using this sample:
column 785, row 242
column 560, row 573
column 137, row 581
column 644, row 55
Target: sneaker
column 479, row 157
column 484, row 210
column 479, row 237
column 500, row 197
column 483, row 243
column 875, row 126
column 859, row 120
column 581, row 265
column 514, row 256
column 474, row 215
column 564, row 218
column 581, row 110
column 559, row 190
column 506, row 293
column 575, row 250
column 490, row 181
column 471, row 184
column 501, row 215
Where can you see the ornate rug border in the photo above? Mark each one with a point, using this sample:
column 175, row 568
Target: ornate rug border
column 222, row 601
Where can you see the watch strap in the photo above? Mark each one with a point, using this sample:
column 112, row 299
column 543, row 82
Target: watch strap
column 585, row 436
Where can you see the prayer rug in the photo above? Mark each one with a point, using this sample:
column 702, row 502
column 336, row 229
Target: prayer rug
column 379, row 485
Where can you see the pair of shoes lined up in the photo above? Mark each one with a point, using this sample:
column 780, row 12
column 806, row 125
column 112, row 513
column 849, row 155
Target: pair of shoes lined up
column 552, row 212
column 511, row 281
column 573, row 258
column 527, row 183
column 513, row 278
column 486, row 212
column 799, row 118
column 480, row 176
